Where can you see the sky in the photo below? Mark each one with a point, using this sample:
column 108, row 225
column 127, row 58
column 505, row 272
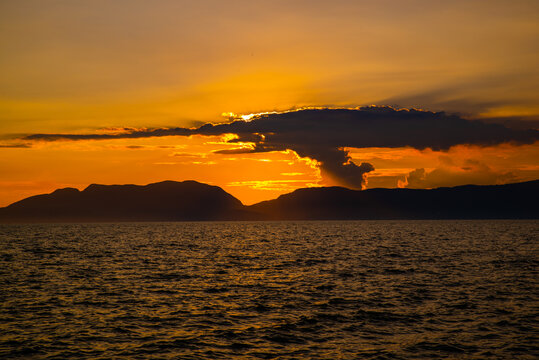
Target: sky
column 125, row 69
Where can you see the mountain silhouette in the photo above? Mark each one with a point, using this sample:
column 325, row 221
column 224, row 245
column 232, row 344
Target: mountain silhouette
column 194, row 201
column 163, row 201
column 511, row 201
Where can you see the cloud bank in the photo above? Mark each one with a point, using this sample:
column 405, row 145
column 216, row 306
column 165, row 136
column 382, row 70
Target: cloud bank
column 323, row 135
column 450, row 173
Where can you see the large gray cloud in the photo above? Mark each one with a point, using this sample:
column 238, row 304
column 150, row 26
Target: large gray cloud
column 322, row 134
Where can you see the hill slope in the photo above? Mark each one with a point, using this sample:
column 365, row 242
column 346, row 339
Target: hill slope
column 462, row 202
column 191, row 200
column 163, row 201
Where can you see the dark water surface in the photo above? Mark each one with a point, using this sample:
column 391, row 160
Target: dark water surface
column 264, row 290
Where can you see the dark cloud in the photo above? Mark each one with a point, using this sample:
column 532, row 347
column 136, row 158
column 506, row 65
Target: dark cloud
column 124, row 135
column 515, row 122
column 323, row 135
column 15, row 146
column 235, row 151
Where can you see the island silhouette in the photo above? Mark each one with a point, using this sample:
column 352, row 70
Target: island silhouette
column 194, row 201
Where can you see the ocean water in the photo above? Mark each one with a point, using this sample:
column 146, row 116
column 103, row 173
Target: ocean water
column 270, row 290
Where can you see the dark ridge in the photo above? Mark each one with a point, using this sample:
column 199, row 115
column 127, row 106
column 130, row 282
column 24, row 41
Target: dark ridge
column 163, row 201
column 511, row 201
column 194, row 201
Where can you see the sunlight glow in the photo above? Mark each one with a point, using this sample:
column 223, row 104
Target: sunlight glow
column 273, row 185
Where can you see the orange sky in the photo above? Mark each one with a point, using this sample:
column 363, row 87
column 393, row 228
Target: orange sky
column 88, row 66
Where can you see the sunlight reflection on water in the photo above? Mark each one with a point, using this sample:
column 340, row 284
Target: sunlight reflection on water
column 355, row 289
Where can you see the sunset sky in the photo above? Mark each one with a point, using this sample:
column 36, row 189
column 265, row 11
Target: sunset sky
column 149, row 74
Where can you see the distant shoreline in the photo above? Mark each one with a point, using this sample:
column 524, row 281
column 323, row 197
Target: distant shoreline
column 193, row 201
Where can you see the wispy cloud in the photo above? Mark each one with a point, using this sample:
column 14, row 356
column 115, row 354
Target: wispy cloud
column 15, row 146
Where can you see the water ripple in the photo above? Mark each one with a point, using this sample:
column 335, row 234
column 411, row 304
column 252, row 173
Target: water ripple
column 263, row 290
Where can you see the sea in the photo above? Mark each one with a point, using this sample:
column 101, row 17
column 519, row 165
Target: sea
column 270, row 290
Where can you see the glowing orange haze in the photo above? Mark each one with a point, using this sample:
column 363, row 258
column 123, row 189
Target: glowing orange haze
column 250, row 177
column 82, row 66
